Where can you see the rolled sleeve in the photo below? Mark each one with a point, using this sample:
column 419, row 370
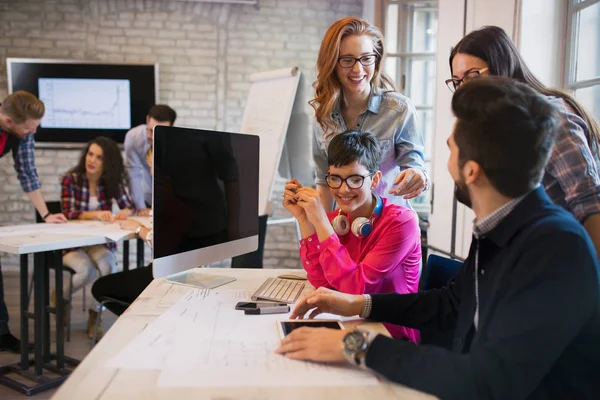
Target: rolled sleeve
column 24, row 158
column 408, row 140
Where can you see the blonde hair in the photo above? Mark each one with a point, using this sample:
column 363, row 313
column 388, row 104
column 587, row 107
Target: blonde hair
column 149, row 156
column 21, row 106
column 328, row 93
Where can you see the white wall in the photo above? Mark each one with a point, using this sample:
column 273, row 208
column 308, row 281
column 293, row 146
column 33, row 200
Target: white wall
column 541, row 38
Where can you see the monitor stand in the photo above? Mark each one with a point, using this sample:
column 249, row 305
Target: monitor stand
column 199, row 280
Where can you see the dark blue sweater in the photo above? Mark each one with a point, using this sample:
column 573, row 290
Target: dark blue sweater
column 539, row 321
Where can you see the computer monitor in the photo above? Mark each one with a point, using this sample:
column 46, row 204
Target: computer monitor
column 205, row 198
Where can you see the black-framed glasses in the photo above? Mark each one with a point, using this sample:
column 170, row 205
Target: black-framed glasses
column 454, row 83
column 349, row 61
column 352, row 181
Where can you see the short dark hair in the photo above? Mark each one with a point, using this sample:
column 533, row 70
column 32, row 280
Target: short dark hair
column 162, row 113
column 351, row 146
column 508, row 129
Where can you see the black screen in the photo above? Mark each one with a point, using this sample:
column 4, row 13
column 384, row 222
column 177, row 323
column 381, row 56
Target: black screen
column 289, row 326
column 139, row 86
column 205, row 188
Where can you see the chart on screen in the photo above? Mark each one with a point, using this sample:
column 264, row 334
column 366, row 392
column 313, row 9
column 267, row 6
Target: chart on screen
column 85, row 103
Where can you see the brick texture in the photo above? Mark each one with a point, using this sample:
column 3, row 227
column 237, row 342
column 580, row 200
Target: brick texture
column 206, row 51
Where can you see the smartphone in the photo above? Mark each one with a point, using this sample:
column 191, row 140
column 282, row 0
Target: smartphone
column 285, row 327
column 253, row 305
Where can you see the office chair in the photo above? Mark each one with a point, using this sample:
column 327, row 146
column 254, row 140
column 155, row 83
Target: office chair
column 437, row 273
column 54, row 208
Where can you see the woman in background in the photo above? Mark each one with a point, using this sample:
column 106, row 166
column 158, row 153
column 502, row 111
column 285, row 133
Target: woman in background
column 88, row 193
column 352, row 92
column 571, row 176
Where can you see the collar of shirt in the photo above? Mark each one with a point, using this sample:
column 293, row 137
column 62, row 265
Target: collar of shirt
column 488, row 223
column 373, row 105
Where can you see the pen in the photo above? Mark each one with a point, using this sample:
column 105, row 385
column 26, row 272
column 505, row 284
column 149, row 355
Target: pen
column 268, row 310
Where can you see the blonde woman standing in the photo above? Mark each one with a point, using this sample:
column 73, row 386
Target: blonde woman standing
column 352, row 92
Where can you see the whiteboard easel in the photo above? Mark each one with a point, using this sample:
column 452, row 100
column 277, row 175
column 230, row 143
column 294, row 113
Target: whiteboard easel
column 276, row 112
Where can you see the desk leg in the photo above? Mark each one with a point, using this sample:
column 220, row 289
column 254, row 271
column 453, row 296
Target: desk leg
column 38, row 324
column 126, row 255
column 46, row 304
column 140, row 253
column 24, row 311
column 60, row 325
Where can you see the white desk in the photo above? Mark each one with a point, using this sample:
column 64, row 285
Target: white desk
column 44, row 240
column 93, row 380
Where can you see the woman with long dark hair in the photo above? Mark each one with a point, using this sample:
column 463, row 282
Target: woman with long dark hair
column 88, row 193
column 571, row 178
column 352, row 92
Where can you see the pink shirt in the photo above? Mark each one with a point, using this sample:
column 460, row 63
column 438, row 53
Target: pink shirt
column 386, row 261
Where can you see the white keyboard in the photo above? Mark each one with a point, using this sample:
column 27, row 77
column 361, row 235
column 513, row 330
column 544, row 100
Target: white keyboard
column 279, row 290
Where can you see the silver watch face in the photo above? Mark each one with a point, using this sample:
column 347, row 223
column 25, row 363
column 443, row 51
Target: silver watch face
column 354, row 341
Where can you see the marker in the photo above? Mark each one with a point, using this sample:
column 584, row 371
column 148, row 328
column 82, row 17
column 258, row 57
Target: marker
column 268, row 310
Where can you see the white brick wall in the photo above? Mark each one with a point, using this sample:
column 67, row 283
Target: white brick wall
column 205, row 50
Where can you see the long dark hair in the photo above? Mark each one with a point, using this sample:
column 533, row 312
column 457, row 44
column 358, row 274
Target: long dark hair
column 113, row 178
column 494, row 46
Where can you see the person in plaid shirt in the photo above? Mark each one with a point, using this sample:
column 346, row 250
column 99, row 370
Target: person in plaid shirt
column 88, row 192
column 20, row 115
column 572, row 175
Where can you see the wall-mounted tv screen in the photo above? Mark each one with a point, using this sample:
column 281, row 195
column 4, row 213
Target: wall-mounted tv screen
column 86, row 99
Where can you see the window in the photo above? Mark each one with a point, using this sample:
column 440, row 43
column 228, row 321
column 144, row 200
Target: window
column 582, row 74
column 411, row 43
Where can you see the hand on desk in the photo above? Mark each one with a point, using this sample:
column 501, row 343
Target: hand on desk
column 129, row 224
column 56, row 219
column 123, row 214
column 328, row 301
column 144, row 213
column 315, row 344
column 104, row 216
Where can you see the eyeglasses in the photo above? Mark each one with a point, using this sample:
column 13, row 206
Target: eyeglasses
column 349, row 61
column 353, row 181
column 454, row 84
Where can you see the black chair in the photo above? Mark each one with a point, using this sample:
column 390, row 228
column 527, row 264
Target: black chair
column 54, row 207
column 437, row 273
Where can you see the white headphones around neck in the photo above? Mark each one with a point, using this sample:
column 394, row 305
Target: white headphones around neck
column 361, row 226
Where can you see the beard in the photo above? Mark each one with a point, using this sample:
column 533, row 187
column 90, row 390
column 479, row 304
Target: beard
column 461, row 192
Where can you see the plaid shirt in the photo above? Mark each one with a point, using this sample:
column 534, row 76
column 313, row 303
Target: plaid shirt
column 24, row 158
column 76, row 198
column 572, row 178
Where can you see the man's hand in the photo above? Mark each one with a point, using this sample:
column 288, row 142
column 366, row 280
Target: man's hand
column 329, row 301
column 310, row 200
column 123, row 214
column 144, row 213
column 315, row 344
column 129, row 224
column 411, row 183
column 56, row 219
column 104, row 216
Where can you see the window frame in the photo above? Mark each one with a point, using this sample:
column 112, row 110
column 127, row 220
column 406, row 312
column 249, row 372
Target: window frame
column 570, row 82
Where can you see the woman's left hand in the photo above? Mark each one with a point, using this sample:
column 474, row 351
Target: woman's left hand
column 123, row 214
column 309, row 199
column 410, row 183
column 129, row 224
column 314, row 344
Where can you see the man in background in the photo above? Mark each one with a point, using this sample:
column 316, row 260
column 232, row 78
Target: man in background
column 137, row 143
column 20, row 115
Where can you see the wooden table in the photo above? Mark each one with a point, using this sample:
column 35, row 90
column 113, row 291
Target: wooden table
column 93, row 380
column 38, row 240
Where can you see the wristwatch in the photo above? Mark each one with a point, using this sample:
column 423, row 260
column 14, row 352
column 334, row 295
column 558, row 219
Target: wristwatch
column 138, row 230
column 355, row 345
